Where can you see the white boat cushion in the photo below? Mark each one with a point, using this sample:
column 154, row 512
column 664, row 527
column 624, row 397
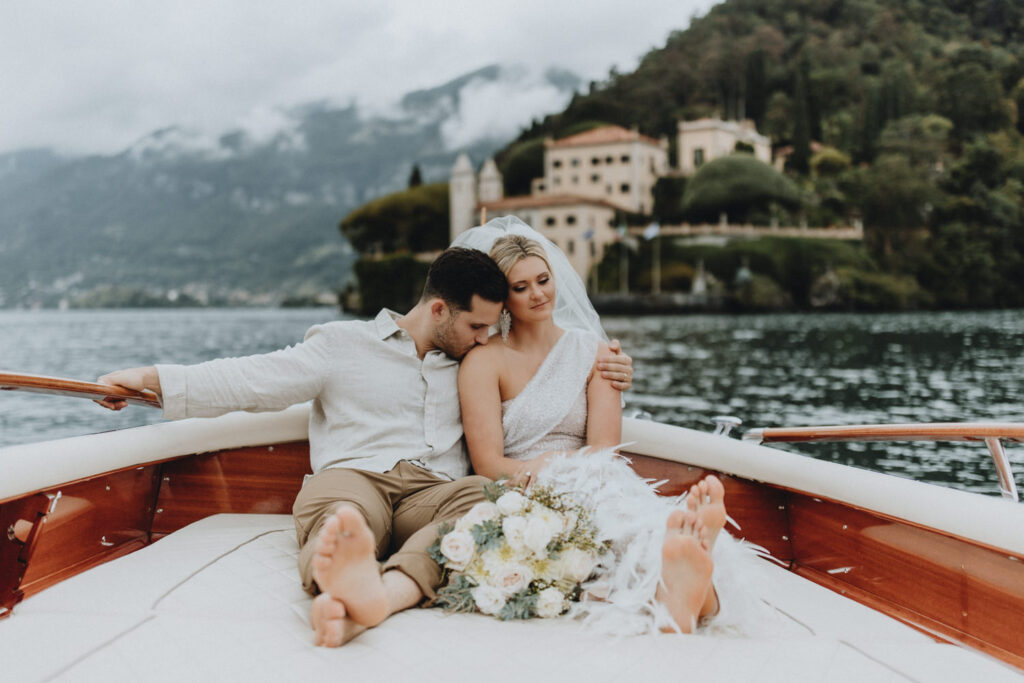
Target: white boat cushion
column 220, row 600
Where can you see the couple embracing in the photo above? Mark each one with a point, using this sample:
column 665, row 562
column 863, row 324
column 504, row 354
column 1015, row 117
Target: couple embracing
column 390, row 404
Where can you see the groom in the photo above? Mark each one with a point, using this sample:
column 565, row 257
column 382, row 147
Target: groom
column 385, row 436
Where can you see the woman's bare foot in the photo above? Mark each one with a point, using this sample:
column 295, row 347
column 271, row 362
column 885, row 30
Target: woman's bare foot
column 707, row 499
column 685, row 569
column 345, row 567
column 331, row 623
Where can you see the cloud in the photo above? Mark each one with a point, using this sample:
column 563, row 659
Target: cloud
column 498, row 110
column 97, row 75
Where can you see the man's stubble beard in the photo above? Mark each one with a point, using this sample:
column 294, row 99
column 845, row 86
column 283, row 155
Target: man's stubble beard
column 444, row 339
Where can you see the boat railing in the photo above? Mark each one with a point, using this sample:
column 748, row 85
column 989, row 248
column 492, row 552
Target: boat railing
column 992, row 433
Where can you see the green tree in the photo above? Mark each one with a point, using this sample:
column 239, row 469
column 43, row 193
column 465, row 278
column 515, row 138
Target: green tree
column 393, row 281
column 971, row 96
column 415, row 177
column 894, row 199
column 737, row 185
column 520, row 164
column 800, row 159
column 923, row 139
column 413, row 220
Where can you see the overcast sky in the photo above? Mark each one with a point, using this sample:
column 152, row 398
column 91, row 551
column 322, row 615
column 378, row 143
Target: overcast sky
column 96, row 75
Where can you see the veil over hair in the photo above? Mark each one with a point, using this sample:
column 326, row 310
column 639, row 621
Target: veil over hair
column 573, row 310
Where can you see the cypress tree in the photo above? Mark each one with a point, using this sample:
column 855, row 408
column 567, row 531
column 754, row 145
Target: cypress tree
column 415, row 177
column 801, row 157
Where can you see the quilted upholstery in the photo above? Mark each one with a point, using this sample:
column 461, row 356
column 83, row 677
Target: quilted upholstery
column 220, row 600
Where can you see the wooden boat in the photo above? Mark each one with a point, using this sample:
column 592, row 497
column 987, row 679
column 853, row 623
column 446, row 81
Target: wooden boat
column 167, row 552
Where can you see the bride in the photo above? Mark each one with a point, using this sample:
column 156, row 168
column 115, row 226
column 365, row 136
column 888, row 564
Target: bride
column 532, row 400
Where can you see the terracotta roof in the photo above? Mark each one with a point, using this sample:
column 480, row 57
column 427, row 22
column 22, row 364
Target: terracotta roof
column 544, row 200
column 603, row 136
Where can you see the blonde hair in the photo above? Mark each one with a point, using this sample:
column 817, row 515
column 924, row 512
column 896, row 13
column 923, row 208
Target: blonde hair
column 509, row 250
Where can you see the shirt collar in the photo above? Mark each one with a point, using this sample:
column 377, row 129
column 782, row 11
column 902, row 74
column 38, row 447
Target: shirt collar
column 386, row 323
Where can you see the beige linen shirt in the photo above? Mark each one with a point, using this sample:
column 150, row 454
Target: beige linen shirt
column 375, row 402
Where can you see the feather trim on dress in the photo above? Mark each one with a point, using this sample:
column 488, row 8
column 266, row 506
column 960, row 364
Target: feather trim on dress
column 627, row 511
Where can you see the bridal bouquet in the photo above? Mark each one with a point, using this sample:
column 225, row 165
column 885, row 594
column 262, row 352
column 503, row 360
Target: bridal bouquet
column 518, row 555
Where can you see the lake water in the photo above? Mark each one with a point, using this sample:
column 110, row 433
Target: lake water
column 768, row 370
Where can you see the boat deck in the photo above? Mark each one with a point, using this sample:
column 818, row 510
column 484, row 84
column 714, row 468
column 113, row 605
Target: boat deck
column 220, row 600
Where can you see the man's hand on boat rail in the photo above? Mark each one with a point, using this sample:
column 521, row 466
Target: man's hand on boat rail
column 616, row 368
column 138, row 379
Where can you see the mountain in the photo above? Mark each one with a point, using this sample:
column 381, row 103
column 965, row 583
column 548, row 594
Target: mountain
column 247, row 216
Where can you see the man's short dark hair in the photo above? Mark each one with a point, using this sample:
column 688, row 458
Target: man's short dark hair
column 459, row 273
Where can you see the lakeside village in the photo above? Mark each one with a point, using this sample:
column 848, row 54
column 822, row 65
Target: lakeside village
column 596, row 201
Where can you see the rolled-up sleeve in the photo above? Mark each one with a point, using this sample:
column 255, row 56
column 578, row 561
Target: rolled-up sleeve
column 266, row 382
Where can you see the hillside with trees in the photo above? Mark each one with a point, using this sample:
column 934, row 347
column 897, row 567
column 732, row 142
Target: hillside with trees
column 906, row 114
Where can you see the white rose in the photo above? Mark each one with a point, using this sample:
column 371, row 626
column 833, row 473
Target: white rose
column 480, row 513
column 575, row 564
column 538, row 534
column 511, row 578
column 488, row 599
column 553, row 519
column 514, row 529
column 511, row 503
column 458, row 547
column 550, row 603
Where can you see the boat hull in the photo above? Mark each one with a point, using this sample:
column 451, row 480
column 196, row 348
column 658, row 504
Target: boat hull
column 942, row 581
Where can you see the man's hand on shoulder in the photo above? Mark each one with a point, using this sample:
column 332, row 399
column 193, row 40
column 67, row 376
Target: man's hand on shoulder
column 616, row 366
column 138, row 379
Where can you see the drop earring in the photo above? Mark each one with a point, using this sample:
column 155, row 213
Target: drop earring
column 505, row 323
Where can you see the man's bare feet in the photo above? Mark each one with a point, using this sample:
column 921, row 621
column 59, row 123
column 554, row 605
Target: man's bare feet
column 685, row 569
column 707, row 499
column 345, row 567
column 331, row 623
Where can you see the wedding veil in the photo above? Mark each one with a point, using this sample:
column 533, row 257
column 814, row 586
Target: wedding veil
column 573, row 310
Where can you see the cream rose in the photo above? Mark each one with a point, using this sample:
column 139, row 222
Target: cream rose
column 550, row 603
column 458, row 547
column 488, row 599
column 575, row 564
column 552, row 518
column 514, row 529
column 511, row 578
column 480, row 513
column 538, row 534
column 511, row 503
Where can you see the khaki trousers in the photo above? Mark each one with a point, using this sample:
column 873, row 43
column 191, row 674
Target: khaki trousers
column 403, row 508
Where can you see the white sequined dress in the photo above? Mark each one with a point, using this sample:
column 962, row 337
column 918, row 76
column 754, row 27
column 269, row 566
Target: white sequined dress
column 550, row 414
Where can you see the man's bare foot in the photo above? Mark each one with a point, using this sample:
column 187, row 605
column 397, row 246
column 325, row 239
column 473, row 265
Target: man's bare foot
column 685, row 569
column 345, row 567
column 707, row 499
column 331, row 623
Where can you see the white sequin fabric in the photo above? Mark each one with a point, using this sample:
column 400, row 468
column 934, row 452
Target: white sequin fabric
column 550, row 413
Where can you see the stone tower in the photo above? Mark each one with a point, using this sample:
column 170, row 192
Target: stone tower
column 461, row 197
column 491, row 189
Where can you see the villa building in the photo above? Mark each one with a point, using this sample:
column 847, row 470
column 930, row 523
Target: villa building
column 589, row 178
column 706, row 139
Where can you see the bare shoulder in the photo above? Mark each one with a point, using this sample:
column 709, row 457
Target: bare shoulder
column 480, row 358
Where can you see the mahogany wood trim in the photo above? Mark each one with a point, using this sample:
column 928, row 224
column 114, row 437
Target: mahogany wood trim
column 934, row 431
column 40, row 384
column 935, row 629
column 760, row 511
column 16, row 554
column 257, row 479
column 943, row 584
column 93, row 522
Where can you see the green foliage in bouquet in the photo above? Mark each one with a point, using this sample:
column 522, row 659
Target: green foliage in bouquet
column 518, row 555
